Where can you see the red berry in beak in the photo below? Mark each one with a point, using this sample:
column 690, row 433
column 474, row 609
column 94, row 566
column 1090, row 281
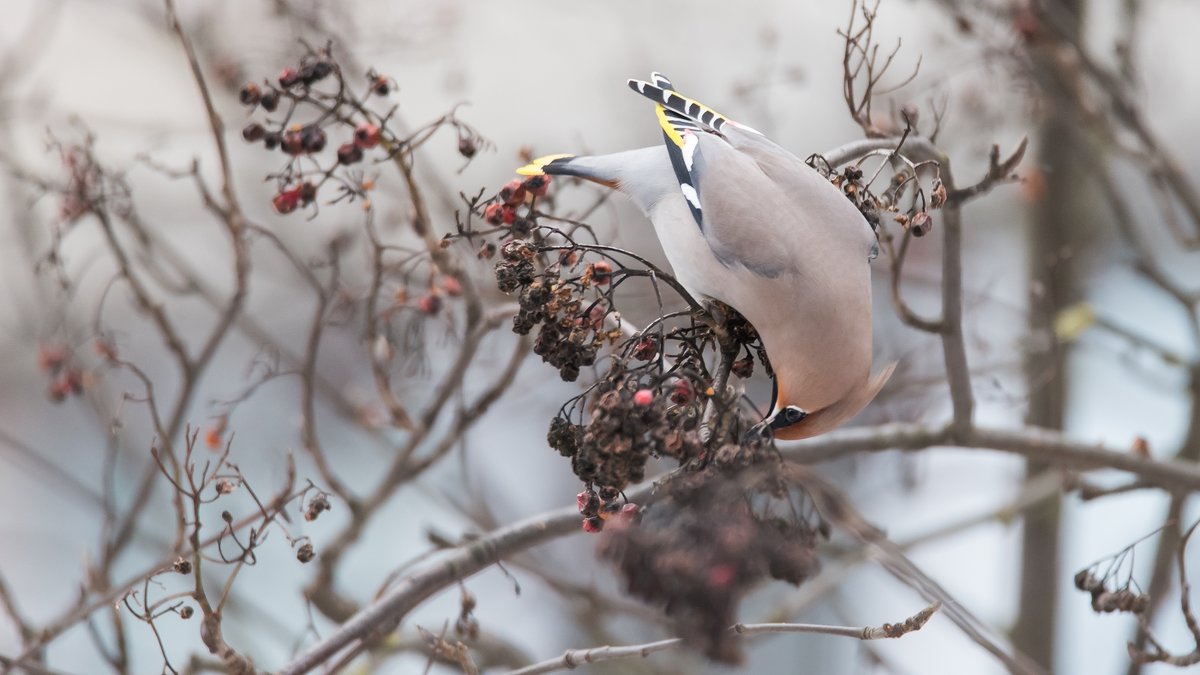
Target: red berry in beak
column 537, row 185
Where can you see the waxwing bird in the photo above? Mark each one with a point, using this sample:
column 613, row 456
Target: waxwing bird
column 748, row 223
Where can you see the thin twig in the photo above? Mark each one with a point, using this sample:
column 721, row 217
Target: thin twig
column 574, row 658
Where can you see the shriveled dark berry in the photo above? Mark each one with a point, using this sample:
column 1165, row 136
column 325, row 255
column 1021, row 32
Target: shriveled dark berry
column 349, row 153
column 253, row 132
column 308, row 193
column 312, row 139
column 305, row 553
column 292, row 143
column 250, row 94
column 522, row 227
column 467, row 147
column 315, row 72
column 272, row 140
column 380, row 85
column 269, row 100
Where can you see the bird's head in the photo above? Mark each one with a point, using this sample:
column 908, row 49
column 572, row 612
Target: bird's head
column 789, row 422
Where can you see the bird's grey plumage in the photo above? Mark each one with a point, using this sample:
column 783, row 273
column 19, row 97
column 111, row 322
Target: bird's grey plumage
column 776, row 241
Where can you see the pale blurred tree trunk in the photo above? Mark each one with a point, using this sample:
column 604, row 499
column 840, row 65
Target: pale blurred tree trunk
column 1054, row 238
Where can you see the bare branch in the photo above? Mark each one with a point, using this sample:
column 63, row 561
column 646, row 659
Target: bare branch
column 574, row 658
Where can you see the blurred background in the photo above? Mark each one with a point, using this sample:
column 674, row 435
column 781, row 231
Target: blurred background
column 1071, row 323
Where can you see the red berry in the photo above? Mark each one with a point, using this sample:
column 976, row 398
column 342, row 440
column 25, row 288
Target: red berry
column 288, row 77
column 513, row 193
column 743, row 368
column 366, row 136
column 681, row 393
column 645, row 349
column 593, row 525
column 588, row 503
column 629, row 513
column 643, row 397
column 429, row 304
column 212, row 438
column 720, row 576
column 494, row 214
column 286, row 201
column 601, row 272
column 452, row 287
column 51, row 357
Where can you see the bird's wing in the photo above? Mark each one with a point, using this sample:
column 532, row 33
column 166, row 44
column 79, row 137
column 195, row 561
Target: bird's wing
column 757, row 204
column 744, row 215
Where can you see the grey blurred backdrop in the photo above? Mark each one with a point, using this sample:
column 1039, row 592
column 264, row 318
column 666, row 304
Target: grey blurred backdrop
column 549, row 75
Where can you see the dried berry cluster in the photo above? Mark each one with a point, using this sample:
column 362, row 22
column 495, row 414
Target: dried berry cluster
column 571, row 334
column 629, row 424
column 700, row 549
column 851, row 183
column 916, row 220
column 1108, row 601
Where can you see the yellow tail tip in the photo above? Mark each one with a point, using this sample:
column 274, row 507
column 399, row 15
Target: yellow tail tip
column 535, row 168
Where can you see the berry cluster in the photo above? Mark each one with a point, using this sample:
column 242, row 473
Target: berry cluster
column 916, row 220
column 66, row 377
column 630, row 422
column 571, row 334
column 701, row 548
column 1109, row 601
column 316, row 87
column 598, row 506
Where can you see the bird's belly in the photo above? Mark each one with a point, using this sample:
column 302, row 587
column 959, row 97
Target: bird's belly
column 817, row 332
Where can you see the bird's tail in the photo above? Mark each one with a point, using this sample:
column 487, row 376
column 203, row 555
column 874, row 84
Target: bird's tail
column 661, row 91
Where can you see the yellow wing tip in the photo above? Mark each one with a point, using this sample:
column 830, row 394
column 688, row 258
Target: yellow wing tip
column 537, row 166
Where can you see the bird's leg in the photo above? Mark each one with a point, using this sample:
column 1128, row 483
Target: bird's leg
column 716, row 318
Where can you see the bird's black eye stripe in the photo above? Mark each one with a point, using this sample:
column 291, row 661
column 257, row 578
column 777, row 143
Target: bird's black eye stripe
column 787, row 417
